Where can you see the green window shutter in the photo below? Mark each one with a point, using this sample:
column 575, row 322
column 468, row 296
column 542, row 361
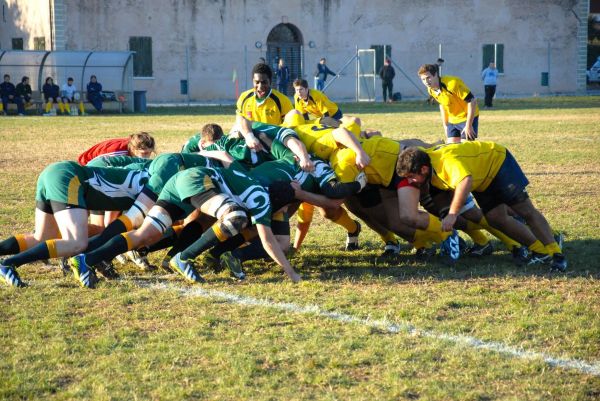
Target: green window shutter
column 142, row 59
column 488, row 55
column 500, row 58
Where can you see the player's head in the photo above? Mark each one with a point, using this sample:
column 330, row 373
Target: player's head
column 49, row 80
column 323, row 60
column 25, row 80
column 93, row 78
column 6, row 78
column 414, row 164
column 261, row 79
column 429, row 75
column 141, row 145
column 70, row 80
column 281, row 194
column 210, row 134
column 301, row 88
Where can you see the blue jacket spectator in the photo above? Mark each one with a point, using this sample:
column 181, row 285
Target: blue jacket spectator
column 322, row 72
column 490, row 78
column 94, row 93
column 283, row 77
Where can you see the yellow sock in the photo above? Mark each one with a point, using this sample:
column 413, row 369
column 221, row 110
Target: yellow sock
column 506, row 240
column 51, row 244
column 61, row 107
column 422, row 239
column 1, row 107
column 48, row 106
column 476, row 235
column 388, row 237
column 21, row 241
column 81, row 108
column 346, row 221
column 68, row 108
column 305, row 213
column 538, row 247
column 128, row 240
column 553, row 248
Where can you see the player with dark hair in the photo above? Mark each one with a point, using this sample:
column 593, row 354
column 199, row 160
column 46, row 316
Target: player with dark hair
column 261, row 103
column 491, row 173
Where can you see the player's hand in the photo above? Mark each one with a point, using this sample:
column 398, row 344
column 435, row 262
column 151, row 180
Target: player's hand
column 306, row 165
column 448, row 222
column 362, row 160
column 469, row 133
column 362, row 180
column 252, row 142
column 295, row 277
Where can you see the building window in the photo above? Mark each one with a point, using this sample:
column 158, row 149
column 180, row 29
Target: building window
column 494, row 53
column 39, row 43
column 142, row 59
column 17, row 43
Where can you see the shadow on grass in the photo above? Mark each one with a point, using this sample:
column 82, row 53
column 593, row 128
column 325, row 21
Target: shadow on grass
column 581, row 255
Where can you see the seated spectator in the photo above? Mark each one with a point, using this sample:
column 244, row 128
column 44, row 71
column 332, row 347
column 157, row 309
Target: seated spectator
column 70, row 95
column 94, row 93
column 24, row 91
column 8, row 93
column 51, row 96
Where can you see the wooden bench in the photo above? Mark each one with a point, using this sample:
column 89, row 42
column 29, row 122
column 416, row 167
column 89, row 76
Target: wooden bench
column 37, row 102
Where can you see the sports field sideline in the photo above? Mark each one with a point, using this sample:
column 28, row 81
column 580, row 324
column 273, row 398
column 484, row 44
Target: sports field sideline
column 352, row 330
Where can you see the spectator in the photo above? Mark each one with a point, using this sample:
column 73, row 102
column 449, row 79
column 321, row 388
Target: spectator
column 322, row 72
column 94, row 93
column 490, row 78
column 51, row 96
column 283, row 76
column 387, row 75
column 24, row 91
column 8, row 93
column 70, row 95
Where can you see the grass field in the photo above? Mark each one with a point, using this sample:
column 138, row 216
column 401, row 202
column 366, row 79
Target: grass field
column 352, row 330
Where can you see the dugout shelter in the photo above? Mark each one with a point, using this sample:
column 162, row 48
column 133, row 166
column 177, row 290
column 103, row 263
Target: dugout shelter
column 114, row 70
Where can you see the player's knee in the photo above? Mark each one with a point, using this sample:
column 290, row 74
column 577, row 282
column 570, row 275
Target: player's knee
column 233, row 221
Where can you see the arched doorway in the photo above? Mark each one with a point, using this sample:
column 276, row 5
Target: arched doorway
column 285, row 41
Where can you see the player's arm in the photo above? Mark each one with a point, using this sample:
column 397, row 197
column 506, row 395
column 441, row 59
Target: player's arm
column 462, row 190
column 345, row 137
column 295, row 145
column 315, row 199
column 245, row 127
column 269, row 242
column 340, row 190
column 444, row 116
column 471, row 108
column 225, row 158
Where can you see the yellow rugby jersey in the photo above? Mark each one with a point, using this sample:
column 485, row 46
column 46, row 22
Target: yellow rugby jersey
column 318, row 104
column 271, row 110
column 318, row 139
column 384, row 155
column 452, row 93
column 451, row 163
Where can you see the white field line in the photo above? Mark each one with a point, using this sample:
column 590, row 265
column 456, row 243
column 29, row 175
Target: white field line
column 391, row 327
